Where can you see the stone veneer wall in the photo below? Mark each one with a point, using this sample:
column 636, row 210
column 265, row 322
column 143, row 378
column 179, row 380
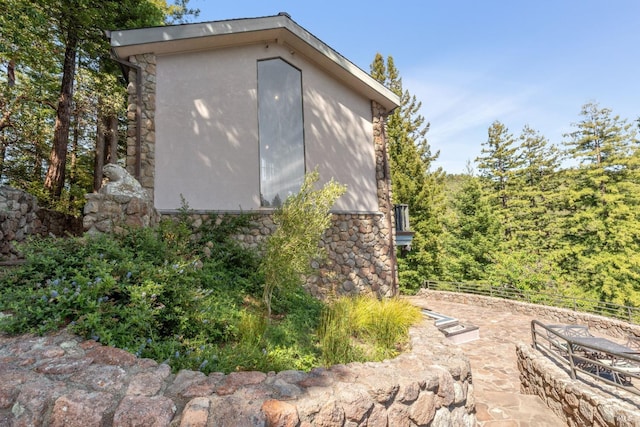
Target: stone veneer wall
column 572, row 400
column 360, row 247
column 20, row 217
column 356, row 261
column 106, row 213
column 147, row 64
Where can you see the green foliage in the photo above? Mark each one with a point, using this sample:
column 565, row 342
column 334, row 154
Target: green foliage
column 473, row 233
column 190, row 298
column 413, row 181
column 162, row 295
column 301, row 221
column 364, row 328
column 56, row 83
column 572, row 230
column 600, row 224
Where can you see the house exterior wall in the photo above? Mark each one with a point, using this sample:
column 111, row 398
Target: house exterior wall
column 343, row 139
column 208, row 150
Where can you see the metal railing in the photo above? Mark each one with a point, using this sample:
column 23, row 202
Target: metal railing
column 602, row 308
column 621, row 370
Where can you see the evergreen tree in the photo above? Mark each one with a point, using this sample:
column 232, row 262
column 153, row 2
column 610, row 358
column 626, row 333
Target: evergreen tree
column 601, row 242
column 498, row 165
column 473, row 233
column 523, row 261
column 535, row 192
column 413, row 182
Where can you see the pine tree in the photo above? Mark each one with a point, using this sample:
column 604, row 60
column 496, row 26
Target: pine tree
column 413, row 182
column 601, row 241
column 535, row 192
column 473, row 233
column 523, row 260
column 498, row 165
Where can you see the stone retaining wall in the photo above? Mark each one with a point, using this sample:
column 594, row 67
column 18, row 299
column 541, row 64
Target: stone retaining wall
column 60, row 380
column 106, row 213
column 604, row 325
column 20, row 217
column 18, row 220
column 59, row 224
column 571, row 400
column 357, row 250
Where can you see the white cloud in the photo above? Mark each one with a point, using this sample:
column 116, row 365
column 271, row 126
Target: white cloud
column 462, row 106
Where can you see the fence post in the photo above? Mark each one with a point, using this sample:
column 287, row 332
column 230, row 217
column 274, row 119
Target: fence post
column 630, row 314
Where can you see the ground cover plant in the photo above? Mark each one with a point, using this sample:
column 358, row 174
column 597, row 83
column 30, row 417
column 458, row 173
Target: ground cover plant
column 196, row 299
column 194, row 303
column 358, row 329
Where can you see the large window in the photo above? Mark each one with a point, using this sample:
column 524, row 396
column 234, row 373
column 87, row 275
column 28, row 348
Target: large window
column 280, row 130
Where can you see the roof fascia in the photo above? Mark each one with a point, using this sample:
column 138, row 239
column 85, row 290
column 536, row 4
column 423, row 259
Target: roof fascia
column 220, row 34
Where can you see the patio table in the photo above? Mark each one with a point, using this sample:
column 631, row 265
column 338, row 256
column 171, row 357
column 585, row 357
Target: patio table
column 616, row 361
column 604, row 345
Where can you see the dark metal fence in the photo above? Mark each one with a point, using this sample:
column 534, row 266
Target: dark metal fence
column 616, row 368
column 603, row 308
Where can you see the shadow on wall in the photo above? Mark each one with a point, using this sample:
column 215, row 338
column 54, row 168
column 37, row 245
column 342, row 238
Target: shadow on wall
column 207, row 131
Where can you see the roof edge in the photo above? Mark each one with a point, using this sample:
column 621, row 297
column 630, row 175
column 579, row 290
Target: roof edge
column 125, row 43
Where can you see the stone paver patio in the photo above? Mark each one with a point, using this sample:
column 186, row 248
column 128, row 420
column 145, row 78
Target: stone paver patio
column 499, row 402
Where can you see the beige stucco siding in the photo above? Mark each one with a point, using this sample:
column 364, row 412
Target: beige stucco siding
column 207, row 146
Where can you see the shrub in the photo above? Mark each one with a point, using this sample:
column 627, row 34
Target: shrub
column 301, row 221
column 196, row 306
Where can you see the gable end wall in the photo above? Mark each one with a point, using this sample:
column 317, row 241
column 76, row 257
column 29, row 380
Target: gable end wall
column 360, row 247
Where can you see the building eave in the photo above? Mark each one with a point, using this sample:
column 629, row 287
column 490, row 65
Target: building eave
column 280, row 29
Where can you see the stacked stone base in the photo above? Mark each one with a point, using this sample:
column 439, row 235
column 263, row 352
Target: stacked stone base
column 358, row 253
column 107, row 213
column 572, row 400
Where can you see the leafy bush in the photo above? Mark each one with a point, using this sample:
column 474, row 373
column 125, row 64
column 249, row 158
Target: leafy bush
column 162, row 294
column 290, row 249
column 193, row 300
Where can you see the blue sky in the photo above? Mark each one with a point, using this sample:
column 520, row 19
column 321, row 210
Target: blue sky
column 471, row 62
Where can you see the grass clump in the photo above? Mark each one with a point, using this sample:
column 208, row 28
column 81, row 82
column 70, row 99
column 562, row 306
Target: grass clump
column 357, row 329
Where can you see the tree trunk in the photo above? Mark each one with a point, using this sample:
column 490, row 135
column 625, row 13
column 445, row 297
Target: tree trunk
column 112, row 137
column 98, row 163
column 73, row 169
column 4, row 120
column 3, row 153
column 54, row 180
column 11, row 73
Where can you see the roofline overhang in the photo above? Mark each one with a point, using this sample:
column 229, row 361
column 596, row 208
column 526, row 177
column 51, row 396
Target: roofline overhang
column 280, row 29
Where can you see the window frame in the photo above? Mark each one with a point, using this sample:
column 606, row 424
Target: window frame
column 264, row 203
